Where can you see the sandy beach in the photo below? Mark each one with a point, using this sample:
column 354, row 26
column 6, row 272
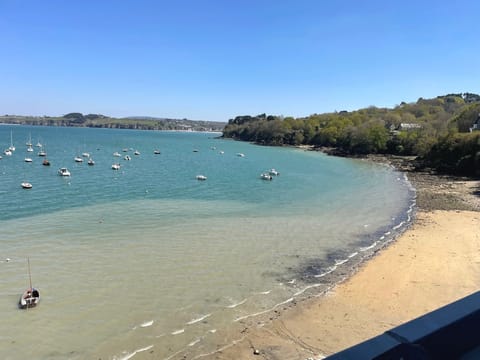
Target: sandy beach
column 436, row 261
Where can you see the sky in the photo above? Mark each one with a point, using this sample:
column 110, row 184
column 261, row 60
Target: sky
column 216, row 59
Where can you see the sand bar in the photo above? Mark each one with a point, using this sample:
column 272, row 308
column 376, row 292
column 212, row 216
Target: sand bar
column 433, row 263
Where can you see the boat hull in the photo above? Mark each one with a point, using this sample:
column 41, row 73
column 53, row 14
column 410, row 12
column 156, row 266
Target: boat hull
column 29, row 299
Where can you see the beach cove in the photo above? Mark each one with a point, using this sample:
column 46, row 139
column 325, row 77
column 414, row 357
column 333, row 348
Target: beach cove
column 149, row 262
column 434, row 262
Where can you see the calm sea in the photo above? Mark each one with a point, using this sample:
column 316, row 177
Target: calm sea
column 149, row 262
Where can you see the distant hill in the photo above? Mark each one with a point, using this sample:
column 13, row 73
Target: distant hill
column 102, row 121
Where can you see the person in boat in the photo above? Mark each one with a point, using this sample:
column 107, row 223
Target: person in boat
column 28, row 294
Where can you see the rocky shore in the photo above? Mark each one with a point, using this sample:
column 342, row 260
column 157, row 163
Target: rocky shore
column 436, row 191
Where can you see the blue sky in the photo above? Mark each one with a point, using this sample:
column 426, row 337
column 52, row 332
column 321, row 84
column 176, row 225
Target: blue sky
column 214, row 60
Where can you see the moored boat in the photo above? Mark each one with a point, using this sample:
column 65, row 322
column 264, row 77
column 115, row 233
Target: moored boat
column 63, row 172
column 115, row 166
column 26, row 185
column 266, row 176
column 30, row 297
column 201, row 177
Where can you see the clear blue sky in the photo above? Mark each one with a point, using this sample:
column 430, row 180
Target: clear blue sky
column 215, row 59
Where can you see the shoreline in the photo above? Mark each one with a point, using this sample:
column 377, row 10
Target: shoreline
column 438, row 248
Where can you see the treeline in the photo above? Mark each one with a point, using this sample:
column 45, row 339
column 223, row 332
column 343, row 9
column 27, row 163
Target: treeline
column 428, row 128
column 76, row 119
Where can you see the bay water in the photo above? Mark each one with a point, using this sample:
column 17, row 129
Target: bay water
column 149, row 262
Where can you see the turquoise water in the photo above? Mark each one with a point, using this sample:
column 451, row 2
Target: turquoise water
column 149, row 262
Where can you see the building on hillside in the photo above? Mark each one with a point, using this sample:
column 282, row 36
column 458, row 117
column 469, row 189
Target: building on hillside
column 396, row 129
column 409, row 126
column 476, row 124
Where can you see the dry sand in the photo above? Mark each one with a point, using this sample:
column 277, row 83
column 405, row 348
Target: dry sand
column 433, row 263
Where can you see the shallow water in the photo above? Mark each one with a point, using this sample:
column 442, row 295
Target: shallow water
column 149, row 262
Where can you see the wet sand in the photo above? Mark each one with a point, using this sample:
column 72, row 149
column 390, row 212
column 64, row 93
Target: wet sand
column 436, row 261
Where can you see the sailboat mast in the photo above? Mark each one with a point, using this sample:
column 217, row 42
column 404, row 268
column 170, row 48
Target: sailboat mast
column 29, row 274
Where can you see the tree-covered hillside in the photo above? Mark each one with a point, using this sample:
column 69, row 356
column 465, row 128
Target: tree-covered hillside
column 425, row 128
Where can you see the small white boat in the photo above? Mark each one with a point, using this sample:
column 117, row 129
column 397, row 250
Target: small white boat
column 7, row 152
column 26, row 185
column 136, row 152
column 116, row 154
column 241, row 154
column 42, row 153
column 273, row 172
column 127, row 157
column 90, row 162
column 125, row 149
column 63, row 172
column 222, row 152
column 156, row 152
column 201, row 177
column 39, row 144
column 29, row 160
column 85, row 154
column 78, row 159
column 116, row 166
column 266, row 176
column 30, row 149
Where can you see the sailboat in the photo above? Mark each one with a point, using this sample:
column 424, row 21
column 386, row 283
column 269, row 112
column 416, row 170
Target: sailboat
column 11, row 147
column 31, row 297
column 29, row 141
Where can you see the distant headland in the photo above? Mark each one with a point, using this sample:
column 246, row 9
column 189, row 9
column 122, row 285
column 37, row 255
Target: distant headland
column 101, row 121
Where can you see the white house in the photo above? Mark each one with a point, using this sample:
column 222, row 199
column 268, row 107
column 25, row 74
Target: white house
column 476, row 124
